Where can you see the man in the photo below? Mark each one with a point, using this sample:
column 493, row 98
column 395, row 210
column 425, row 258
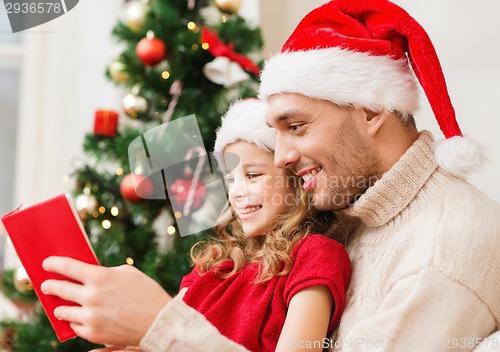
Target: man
column 341, row 95
column 425, row 260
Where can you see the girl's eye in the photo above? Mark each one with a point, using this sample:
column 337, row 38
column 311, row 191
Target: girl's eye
column 253, row 175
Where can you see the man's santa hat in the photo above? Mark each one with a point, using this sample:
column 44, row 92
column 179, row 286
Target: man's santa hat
column 366, row 54
column 245, row 120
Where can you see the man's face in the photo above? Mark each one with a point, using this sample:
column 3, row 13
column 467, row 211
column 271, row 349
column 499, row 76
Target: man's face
column 324, row 144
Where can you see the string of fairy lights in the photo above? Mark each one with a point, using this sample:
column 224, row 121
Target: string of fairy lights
column 86, row 204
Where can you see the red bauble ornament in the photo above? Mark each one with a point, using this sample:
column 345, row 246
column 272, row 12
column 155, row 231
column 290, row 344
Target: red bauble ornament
column 150, row 50
column 179, row 192
column 143, row 185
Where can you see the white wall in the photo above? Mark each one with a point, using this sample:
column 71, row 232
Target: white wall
column 466, row 39
column 62, row 84
column 278, row 19
column 465, row 36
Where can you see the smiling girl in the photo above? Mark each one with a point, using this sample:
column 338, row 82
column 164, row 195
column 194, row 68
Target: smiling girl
column 269, row 280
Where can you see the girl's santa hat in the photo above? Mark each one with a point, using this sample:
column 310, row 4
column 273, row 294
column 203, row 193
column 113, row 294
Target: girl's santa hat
column 245, row 121
column 366, row 54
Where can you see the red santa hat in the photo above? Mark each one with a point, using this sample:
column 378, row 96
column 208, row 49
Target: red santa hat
column 245, row 121
column 366, row 54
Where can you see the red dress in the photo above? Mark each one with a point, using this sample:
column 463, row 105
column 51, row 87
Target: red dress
column 253, row 315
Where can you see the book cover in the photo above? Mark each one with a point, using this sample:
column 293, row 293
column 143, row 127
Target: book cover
column 49, row 228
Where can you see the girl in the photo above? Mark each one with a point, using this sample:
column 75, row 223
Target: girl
column 266, row 281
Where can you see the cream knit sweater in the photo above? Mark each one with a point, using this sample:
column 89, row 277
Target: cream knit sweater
column 426, row 270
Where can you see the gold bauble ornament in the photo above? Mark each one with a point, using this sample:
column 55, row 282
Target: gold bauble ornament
column 117, row 72
column 228, row 6
column 22, row 282
column 135, row 106
column 135, row 14
column 85, row 204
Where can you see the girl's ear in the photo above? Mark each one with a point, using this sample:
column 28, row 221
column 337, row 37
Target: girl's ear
column 374, row 120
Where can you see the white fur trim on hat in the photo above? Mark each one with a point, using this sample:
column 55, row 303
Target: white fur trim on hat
column 245, row 121
column 344, row 77
column 459, row 156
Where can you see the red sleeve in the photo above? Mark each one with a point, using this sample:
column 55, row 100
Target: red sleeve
column 319, row 260
column 189, row 279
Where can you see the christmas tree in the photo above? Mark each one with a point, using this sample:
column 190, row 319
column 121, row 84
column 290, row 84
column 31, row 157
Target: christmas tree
column 180, row 57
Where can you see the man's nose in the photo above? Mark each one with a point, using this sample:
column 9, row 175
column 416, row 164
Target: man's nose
column 285, row 154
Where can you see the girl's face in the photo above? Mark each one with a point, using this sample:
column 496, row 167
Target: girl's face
column 258, row 191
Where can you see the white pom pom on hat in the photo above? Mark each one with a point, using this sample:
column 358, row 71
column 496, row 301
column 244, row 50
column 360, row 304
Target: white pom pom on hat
column 245, row 120
column 367, row 53
column 459, row 156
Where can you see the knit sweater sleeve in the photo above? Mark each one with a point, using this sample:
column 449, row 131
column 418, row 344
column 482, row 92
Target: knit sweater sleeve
column 179, row 327
column 415, row 314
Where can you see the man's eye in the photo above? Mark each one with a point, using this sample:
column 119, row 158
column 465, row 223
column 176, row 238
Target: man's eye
column 229, row 180
column 294, row 127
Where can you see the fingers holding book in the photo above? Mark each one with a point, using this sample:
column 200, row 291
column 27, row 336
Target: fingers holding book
column 72, row 268
column 116, row 304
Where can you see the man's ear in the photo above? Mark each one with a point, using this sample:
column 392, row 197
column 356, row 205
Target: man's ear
column 374, row 120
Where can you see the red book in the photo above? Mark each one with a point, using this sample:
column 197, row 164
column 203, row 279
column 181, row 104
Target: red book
column 42, row 230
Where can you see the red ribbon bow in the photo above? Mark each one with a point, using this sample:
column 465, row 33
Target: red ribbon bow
column 217, row 48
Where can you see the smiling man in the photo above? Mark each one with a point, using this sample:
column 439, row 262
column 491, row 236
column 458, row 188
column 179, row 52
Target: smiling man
column 342, row 94
column 329, row 146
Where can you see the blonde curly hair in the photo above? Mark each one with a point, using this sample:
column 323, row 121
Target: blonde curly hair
column 272, row 250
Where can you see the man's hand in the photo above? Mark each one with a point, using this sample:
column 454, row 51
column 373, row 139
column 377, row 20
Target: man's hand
column 117, row 305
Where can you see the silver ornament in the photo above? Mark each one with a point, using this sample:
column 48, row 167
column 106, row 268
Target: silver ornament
column 135, row 106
